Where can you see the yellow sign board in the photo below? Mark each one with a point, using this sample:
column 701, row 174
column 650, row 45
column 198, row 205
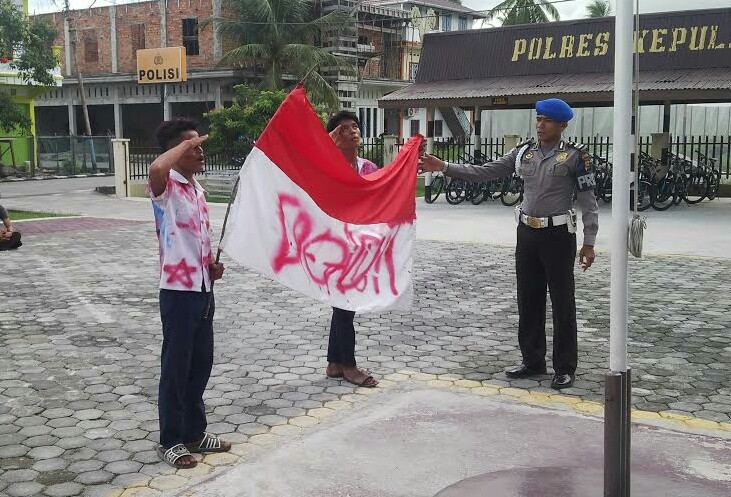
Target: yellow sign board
column 161, row 65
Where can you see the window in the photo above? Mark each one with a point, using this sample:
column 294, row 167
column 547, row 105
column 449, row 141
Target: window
column 415, row 124
column 91, row 46
column 438, row 128
column 138, row 37
column 462, row 23
column 446, row 22
column 190, row 36
column 413, row 69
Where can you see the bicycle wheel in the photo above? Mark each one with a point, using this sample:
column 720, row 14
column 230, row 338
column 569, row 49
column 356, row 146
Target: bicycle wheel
column 432, row 192
column 512, row 191
column 479, row 193
column 644, row 199
column 663, row 194
column 455, row 191
column 714, row 184
column 696, row 187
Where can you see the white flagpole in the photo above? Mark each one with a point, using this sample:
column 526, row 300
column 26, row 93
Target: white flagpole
column 617, row 389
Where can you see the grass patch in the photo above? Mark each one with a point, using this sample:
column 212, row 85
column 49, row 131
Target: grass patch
column 21, row 215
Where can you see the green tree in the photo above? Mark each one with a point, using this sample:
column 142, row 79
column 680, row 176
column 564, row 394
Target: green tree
column 27, row 47
column 232, row 129
column 511, row 12
column 279, row 38
column 599, row 8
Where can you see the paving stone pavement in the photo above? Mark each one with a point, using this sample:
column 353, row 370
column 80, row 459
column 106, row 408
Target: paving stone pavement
column 80, row 341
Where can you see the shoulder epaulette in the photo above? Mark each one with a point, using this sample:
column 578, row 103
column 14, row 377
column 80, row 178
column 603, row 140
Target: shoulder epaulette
column 529, row 141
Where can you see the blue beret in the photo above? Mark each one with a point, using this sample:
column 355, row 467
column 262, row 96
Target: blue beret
column 556, row 109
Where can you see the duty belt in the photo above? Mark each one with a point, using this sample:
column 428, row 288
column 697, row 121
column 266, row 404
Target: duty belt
column 544, row 222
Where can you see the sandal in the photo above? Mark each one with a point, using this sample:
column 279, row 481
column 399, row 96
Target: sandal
column 337, row 375
column 173, row 455
column 367, row 382
column 209, row 443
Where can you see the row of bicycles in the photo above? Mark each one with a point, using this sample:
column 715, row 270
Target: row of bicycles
column 662, row 183
column 508, row 191
column 665, row 183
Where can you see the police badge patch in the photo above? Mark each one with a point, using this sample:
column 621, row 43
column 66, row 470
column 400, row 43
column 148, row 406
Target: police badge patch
column 587, row 161
column 562, row 156
column 528, row 156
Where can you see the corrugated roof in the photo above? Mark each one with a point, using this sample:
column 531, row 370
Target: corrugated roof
column 438, row 4
column 474, row 90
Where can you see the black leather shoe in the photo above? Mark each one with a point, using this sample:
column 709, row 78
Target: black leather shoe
column 562, row 381
column 523, row 371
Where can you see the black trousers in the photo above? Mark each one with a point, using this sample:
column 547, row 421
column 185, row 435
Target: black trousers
column 187, row 359
column 341, row 347
column 544, row 258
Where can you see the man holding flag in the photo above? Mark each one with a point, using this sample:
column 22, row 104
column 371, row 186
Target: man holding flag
column 327, row 223
column 344, row 129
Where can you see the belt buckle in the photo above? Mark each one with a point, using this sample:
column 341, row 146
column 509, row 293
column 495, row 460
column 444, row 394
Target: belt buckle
column 534, row 222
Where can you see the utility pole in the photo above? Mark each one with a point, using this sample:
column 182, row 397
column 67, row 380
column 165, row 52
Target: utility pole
column 80, row 78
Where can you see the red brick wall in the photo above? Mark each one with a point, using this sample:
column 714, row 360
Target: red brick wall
column 97, row 21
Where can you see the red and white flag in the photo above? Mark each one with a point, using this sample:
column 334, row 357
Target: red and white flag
column 303, row 217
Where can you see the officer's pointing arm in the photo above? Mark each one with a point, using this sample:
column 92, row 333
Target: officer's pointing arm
column 499, row 168
column 586, row 199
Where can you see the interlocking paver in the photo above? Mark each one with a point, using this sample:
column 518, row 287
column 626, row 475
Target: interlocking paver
column 64, row 323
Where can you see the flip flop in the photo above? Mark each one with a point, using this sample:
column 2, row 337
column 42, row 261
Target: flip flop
column 365, row 383
column 174, row 454
column 209, row 443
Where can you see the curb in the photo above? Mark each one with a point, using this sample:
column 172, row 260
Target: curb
column 42, row 178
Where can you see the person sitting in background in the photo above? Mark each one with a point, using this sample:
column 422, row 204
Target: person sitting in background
column 9, row 238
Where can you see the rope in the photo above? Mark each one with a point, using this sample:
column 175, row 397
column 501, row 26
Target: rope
column 636, row 232
column 638, row 223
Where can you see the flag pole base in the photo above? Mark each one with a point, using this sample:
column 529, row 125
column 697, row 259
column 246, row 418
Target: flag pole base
column 617, row 433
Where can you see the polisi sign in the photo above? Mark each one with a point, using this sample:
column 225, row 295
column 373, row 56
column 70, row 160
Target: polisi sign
column 161, row 65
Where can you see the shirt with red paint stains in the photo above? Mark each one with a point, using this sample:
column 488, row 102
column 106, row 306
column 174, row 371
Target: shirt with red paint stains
column 184, row 234
column 366, row 167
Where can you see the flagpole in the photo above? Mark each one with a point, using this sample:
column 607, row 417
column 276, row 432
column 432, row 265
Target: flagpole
column 235, row 189
column 617, row 381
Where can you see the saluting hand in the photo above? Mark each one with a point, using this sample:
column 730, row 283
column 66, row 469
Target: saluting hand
column 586, row 257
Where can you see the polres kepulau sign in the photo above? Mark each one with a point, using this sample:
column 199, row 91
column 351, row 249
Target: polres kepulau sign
column 161, row 65
column 693, row 39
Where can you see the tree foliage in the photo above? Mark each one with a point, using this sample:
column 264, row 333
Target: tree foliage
column 599, row 8
column 26, row 46
column 511, row 12
column 278, row 39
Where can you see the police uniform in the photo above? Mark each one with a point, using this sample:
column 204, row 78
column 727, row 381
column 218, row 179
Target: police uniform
column 546, row 246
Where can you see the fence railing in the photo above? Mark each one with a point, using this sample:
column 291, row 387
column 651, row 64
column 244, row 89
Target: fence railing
column 688, row 147
column 140, row 159
column 70, row 155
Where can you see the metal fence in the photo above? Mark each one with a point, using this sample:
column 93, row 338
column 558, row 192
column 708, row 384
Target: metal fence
column 140, row 159
column 69, row 155
column 688, row 147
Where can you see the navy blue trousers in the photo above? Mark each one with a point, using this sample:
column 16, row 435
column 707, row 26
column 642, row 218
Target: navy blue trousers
column 186, row 362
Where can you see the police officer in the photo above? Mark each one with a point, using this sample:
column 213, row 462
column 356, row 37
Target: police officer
column 552, row 170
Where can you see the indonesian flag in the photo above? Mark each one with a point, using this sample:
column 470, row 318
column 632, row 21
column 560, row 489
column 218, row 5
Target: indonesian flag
column 305, row 218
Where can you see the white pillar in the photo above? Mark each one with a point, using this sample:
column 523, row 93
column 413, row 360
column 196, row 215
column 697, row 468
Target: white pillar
column 118, row 123
column 113, row 36
column 72, row 118
column 218, row 96
column 67, row 46
column 120, row 153
column 618, row 312
column 163, row 23
column 217, row 45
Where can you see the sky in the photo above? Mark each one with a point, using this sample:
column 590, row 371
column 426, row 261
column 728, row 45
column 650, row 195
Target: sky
column 571, row 9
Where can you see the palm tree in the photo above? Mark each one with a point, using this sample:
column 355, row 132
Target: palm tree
column 511, row 12
column 599, row 8
column 278, row 39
